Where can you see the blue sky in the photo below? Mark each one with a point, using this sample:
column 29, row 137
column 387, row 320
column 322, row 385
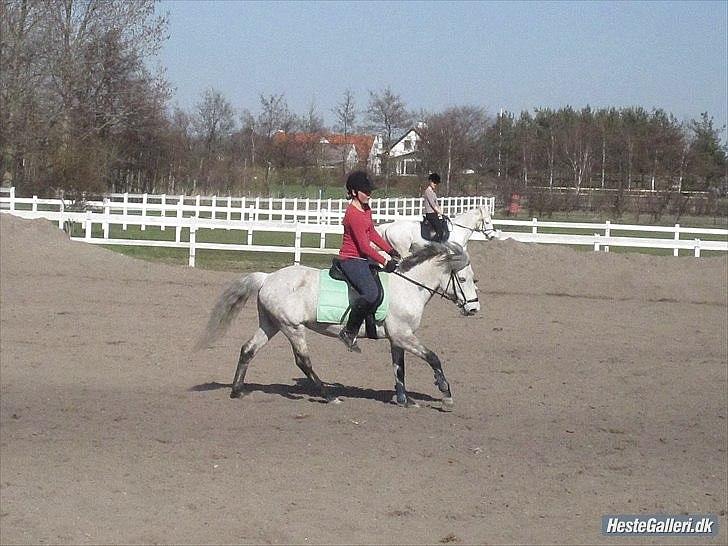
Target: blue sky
column 511, row 55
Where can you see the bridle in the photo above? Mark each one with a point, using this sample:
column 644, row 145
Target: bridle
column 459, row 298
column 485, row 232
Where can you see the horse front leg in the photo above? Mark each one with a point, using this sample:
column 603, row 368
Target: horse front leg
column 413, row 345
column 400, row 396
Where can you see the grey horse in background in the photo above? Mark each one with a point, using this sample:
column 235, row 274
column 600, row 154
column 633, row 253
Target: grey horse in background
column 404, row 235
column 287, row 300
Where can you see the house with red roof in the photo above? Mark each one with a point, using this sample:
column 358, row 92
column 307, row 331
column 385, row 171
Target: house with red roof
column 332, row 150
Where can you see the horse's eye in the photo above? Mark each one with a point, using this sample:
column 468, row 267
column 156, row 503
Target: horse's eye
column 476, row 281
column 461, row 279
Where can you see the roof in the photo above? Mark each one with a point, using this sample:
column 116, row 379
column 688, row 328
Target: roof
column 408, row 131
column 362, row 143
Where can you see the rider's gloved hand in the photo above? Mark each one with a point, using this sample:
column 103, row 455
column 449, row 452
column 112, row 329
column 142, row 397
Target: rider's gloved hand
column 390, row 266
column 395, row 255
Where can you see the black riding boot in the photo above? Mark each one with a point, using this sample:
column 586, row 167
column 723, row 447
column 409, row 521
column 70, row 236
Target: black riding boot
column 349, row 332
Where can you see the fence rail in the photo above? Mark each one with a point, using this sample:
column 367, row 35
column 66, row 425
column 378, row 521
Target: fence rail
column 297, row 221
column 306, row 210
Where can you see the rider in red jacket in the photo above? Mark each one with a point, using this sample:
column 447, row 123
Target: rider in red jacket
column 356, row 252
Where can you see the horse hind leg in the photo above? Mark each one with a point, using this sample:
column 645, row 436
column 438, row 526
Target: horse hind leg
column 266, row 330
column 297, row 338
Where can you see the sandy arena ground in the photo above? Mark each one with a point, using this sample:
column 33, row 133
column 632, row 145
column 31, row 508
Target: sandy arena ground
column 590, row 384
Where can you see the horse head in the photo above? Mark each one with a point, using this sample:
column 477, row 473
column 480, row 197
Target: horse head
column 457, row 279
column 485, row 224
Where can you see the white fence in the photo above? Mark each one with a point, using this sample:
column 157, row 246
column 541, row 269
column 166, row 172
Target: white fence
column 256, row 209
column 323, row 217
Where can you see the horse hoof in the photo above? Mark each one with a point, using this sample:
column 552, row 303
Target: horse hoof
column 236, row 393
column 447, row 404
column 404, row 402
column 334, row 400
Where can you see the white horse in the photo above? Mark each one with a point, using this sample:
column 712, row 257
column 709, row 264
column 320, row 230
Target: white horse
column 403, row 234
column 287, row 300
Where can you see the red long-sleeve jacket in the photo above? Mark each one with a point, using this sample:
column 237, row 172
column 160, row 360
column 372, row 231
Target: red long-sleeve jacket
column 359, row 232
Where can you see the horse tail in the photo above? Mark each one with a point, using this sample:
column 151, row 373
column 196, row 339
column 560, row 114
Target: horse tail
column 228, row 306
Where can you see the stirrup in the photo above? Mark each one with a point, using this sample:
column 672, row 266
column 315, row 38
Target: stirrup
column 349, row 340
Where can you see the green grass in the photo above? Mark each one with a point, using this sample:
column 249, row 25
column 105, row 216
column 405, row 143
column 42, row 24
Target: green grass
column 219, row 260
column 237, row 261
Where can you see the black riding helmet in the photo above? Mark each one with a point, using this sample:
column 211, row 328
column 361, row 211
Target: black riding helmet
column 434, row 177
column 359, row 181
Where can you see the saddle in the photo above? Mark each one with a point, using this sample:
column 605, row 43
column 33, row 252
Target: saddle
column 370, row 323
column 429, row 234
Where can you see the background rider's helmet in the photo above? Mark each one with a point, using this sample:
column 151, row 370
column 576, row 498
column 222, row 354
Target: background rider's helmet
column 359, row 181
column 434, row 177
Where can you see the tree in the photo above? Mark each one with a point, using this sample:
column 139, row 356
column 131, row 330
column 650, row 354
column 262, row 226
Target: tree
column 76, row 78
column 214, row 120
column 707, row 154
column 387, row 113
column 576, row 131
column 345, row 113
column 213, row 123
column 450, row 140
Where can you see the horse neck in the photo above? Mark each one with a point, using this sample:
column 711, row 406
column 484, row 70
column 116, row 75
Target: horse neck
column 428, row 274
column 470, row 220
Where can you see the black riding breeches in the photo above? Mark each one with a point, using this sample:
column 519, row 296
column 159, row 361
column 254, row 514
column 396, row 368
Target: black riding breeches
column 358, row 272
column 437, row 224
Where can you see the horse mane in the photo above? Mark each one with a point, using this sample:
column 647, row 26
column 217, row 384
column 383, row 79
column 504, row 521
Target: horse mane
column 450, row 253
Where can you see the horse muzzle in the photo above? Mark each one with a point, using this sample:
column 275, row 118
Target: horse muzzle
column 490, row 232
column 470, row 308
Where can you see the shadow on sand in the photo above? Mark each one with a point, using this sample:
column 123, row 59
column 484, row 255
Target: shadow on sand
column 303, row 388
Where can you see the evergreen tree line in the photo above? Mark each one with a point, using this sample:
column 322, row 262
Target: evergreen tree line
column 81, row 110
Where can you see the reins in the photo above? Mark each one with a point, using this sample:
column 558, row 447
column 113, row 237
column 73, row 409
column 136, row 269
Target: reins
column 457, row 287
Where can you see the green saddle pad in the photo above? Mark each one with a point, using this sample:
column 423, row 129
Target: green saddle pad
column 333, row 300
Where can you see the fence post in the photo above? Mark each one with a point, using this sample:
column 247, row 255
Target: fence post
column 534, row 228
column 323, row 239
column 34, row 207
column 197, row 206
column 250, row 234
column 125, row 209
column 107, row 217
column 12, row 198
column 163, row 212
column 242, row 209
column 229, row 211
column 297, row 245
column 213, row 211
column 61, row 209
column 607, row 233
column 256, row 216
column 596, row 242
column 88, row 225
column 697, row 248
column 144, row 210
column 178, row 230
column 193, row 240
column 307, row 205
column 676, row 251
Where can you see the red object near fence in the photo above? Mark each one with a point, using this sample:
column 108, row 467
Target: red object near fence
column 514, row 207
